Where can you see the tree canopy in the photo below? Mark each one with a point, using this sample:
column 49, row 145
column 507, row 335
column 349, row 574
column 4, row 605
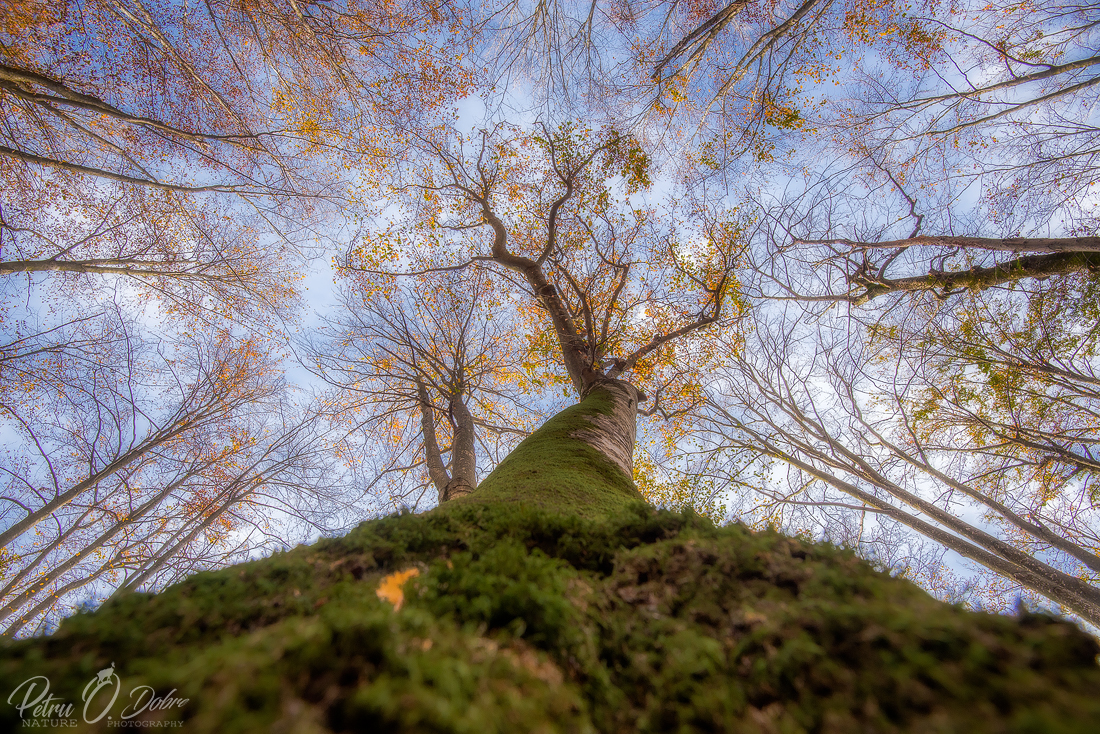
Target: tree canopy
column 272, row 267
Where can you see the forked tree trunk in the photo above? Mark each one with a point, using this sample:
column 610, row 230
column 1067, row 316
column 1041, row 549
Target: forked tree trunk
column 462, row 478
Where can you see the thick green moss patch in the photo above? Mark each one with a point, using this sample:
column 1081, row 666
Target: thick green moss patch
column 527, row 620
column 552, row 470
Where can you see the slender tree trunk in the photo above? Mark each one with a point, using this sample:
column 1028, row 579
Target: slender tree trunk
column 999, row 244
column 969, row 541
column 44, row 604
column 463, row 459
column 45, row 578
column 462, row 478
column 437, row 472
column 996, row 555
column 64, row 497
column 122, row 266
column 171, row 548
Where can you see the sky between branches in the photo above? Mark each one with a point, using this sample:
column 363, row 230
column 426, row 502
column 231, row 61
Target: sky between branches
column 207, row 173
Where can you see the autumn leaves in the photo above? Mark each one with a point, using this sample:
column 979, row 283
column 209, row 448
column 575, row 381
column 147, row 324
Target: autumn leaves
column 841, row 188
column 165, row 168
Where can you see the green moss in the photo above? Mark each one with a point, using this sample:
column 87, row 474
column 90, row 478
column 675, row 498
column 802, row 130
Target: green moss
column 553, row 471
column 524, row 619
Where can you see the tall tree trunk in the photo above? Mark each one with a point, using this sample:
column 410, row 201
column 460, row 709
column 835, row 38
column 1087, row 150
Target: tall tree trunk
column 979, row 278
column 433, row 457
column 579, row 461
column 499, row 608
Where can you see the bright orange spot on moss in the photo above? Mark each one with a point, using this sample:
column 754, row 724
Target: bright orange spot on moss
column 390, row 588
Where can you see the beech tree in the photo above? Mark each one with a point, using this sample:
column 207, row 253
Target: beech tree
column 189, row 517
column 201, row 260
column 616, row 292
column 966, row 156
column 841, row 238
column 551, row 597
column 998, row 100
column 246, row 103
column 427, row 376
column 193, row 149
column 982, row 392
column 1060, row 256
column 913, row 434
column 128, row 457
column 168, row 165
column 1019, row 382
column 719, row 79
column 959, row 139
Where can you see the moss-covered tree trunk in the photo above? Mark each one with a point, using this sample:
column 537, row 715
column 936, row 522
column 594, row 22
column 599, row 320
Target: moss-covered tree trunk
column 552, row 599
column 578, row 462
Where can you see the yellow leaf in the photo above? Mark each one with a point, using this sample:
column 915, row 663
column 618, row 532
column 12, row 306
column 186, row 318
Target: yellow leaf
column 390, row 588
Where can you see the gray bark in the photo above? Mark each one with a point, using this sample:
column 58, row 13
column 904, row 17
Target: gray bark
column 613, row 434
column 998, row 244
column 437, row 472
column 462, row 479
column 463, row 459
column 979, row 278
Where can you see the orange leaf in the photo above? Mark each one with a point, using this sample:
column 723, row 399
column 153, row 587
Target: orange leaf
column 390, row 588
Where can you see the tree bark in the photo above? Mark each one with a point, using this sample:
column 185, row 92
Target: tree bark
column 463, row 459
column 463, row 475
column 437, row 472
column 996, row 555
column 12, row 603
column 997, row 244
column 969, row 541
column 613, row 434
column 1028, row 266
column 578, row 462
